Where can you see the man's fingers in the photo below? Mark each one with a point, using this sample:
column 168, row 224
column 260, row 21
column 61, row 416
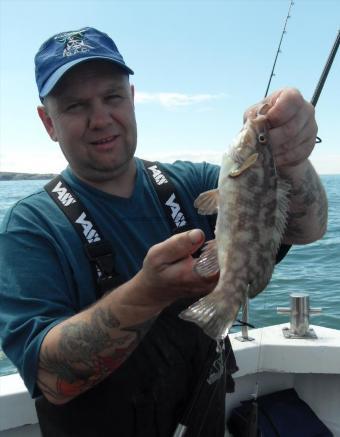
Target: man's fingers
column 295, row 149
column 168, row 268
column 293, row 156
column 286, row 104
column 281, row 134
column 301, row 124
column 177, row 247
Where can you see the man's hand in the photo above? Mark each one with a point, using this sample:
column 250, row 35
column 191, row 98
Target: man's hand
column 292, row 135
column 167, row 273
column 293, row 127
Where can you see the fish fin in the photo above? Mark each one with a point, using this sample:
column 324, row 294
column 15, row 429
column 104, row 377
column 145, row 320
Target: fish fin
column 247, row 163
column 207, row 263
column 212, row 315
column 283, row 189
column 207, row 202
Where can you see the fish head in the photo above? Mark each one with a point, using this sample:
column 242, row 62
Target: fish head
column 254, row 133
column 252, row 143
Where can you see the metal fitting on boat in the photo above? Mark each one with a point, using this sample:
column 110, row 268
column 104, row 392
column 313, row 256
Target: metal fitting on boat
column 299, row 316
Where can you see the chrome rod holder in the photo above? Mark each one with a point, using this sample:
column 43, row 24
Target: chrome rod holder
column 244, row 331
column 299, row 312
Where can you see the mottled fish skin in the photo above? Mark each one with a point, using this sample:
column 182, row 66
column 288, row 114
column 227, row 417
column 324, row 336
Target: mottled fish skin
column 251, row 203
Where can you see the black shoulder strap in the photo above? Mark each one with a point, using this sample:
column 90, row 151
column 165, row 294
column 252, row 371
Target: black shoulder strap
column 168, row 197
column 97, row 249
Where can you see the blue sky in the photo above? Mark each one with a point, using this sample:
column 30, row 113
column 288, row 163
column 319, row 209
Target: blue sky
column 198, row 65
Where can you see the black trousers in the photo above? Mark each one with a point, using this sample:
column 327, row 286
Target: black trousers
column 162, row 383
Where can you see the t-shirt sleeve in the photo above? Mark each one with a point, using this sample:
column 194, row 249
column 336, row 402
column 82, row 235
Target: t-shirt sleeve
column 35, row 291
column 209, row 176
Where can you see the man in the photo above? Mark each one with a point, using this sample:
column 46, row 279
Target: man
column 121, row 362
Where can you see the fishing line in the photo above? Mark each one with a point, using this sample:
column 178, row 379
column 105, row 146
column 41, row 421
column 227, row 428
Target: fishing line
column 253, row 418
column 272, row 74
column 257, row 381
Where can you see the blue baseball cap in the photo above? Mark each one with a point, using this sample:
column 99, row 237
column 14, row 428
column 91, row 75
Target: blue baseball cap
column 65, row 50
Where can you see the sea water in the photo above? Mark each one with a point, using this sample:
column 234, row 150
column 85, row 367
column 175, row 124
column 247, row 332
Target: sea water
column 312, row 268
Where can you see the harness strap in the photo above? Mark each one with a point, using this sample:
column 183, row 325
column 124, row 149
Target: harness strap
column 97, row 248
column 168, row 197
column 99, row 251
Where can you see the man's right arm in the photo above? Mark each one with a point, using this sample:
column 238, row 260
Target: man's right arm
column 81, row 351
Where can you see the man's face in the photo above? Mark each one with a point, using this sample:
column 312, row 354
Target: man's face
column 91, row 114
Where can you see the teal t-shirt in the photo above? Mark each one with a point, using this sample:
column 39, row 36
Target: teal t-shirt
column 45, row 276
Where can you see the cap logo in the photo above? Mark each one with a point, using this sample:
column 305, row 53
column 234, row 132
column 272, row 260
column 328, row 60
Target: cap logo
column 74, row 42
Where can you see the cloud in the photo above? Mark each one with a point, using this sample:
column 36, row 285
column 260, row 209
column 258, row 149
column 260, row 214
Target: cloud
column 175, row 100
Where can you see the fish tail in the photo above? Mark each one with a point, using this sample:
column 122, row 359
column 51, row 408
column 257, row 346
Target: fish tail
column 212, row 315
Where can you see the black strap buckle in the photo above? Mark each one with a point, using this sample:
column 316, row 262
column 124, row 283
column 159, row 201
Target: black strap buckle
column 100, row 253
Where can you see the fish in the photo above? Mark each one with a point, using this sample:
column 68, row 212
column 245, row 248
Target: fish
column 251, row 202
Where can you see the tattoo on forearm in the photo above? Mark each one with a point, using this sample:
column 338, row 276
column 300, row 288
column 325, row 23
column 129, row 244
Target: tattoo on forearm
column 88, row 352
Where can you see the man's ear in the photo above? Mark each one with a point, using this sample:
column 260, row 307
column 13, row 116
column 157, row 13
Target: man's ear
column 47, row 122
column 132, row 87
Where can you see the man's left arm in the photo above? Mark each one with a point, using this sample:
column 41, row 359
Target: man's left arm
column 292, row 134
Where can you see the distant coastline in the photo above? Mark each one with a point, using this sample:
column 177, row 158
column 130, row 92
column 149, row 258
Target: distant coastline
column 13, row 176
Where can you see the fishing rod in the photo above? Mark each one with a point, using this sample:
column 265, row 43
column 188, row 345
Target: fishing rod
column 325, row 71
column 279, row 48
column 324, row 75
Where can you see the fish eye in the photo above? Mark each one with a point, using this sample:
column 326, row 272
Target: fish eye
column 262, row 137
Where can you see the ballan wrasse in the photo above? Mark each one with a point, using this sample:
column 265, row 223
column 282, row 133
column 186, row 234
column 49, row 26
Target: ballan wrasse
column 251, row 202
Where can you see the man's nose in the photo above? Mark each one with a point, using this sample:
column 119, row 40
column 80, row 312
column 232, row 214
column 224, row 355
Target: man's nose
column 100, row 116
